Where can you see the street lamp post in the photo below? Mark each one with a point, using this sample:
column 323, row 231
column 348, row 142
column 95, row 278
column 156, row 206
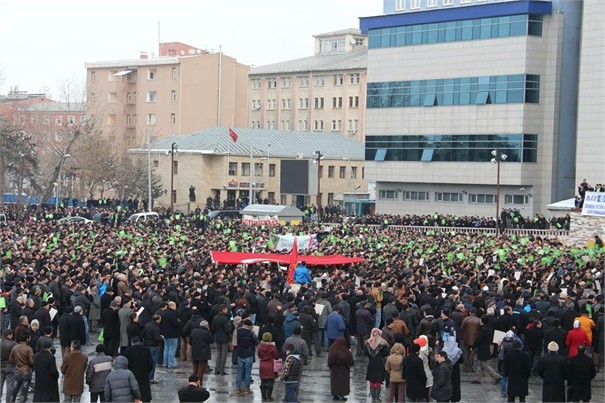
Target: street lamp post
column 318, row 157
column 173, row 148
column 61, row 161
column 149, row 201
column 498, row 157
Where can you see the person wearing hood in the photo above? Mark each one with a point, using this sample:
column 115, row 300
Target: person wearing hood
column 267, row 353
column 516, row 367
column 552, row 368
column 340, row 361
column 396, row 380
column 454, row 354
column 121, row 385
column 291, row 320
column 292, row 373
column 376, row 349
column 442, row 386
column 412, row 370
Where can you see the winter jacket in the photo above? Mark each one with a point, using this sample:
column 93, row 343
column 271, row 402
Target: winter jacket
column 152, row 335
column 442, row 385
column 200, row 341
column 246, row 341
column 98, row 369
column 121, row 385
column 323, row 317
column 221, row 328
column 22, row 356
column 170, row 324
column 365, row 322
column 335, row 326
column 73, row 369
column 6, row 346
column 292, row 370
column 290, row 323
column 393, row 363
column 267, row 352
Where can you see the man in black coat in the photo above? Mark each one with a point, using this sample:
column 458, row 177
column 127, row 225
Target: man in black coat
column 222, row 335
column 412, row 370
column 140, row 364
column 111, row 329
column 517, row 367
column 552, row 368
column 201, row 339
column 77, row 330
column 365, row 322
column 153, row 340
column 47, row 375
column 581, row 372
column 193, row 392
column 64, row 329
column 482, row 346
column 558, row 335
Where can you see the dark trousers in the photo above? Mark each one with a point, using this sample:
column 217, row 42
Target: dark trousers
column 22, row 382
column 397, row 392
column 221, row 357
column 199, row 369
column 97, row 396
column 111, row 346
column 266, row 388
column 512, row 399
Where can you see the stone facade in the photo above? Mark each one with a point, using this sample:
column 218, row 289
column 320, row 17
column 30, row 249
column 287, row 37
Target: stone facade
column 583, row 229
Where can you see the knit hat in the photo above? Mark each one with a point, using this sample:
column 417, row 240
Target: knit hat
column 576, row 324
column 77, row 309
column 553, row 346
column 267, row 337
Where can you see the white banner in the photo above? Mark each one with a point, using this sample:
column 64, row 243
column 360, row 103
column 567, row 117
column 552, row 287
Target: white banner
column 286, row 242
column 260, row 220
column 594, row 204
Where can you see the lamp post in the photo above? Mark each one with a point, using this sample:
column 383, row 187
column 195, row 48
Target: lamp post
column 318, row 157
column 61, row 161
column 173, row 148
column 149, row 201
column 498, row 157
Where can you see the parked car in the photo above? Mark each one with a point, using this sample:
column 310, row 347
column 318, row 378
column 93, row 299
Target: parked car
column 147, row 216
column 224, row 214
column 74, row 220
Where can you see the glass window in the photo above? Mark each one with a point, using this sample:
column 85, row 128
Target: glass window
column 232, row 168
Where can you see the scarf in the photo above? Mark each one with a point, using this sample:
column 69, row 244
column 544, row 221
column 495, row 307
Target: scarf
column 453, row 351
column 375, row 342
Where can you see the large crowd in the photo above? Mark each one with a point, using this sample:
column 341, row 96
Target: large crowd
column 151, row 289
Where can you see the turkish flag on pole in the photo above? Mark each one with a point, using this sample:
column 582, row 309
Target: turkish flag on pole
column 293, row 262
column 233, row 135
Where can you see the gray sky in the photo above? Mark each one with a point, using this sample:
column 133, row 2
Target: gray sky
column 44, row 43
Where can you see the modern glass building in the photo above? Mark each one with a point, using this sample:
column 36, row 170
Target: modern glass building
column 450, row 81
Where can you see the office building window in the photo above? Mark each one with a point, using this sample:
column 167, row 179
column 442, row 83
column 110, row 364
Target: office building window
column 339, row 79
column 134, row 119
column 303, row 103
column 330, row 198
column 448, row 197
column 151, row 119
column 342, row 173
column 330, row 171
column 415, row 196
column 303, row 125
column 319, row 103
column 152, row 96
column 173, row 118
column 93, row 97
column 516, row 199
column 258, row 169
column 284, row 125
column 46, row 120
column 173, row 96
column 245, row 169
column 482, row 198
column 152, row 74
column 387, row 195
column 256, row 83
column 336, row 102
column 353, row 124
column 93, row 76
column 271, row 170
column 454, row 148
column 431, row 3
column 285, row 103
column 303, row 81
column 271, row 83
column 174, row 72
column 354, row 102
column 336, row 125
column 353, row 172
column 448, row 2
column 112, row 98
column 332, row 45
column 255, row 104
column 354, row 78
column 59, row 119
column 508, row 89
column 400, row 5
column 286, row 82
column 270, row 124
column 320, row 81
column 232, row 168
column 318, row 125
column 456, row 31
column 414, row 4
column 271, row 104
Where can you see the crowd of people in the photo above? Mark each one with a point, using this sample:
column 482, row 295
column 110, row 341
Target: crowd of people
column 421, row 305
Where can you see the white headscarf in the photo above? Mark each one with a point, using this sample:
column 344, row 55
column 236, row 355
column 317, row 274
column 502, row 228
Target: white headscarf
column 451, row 348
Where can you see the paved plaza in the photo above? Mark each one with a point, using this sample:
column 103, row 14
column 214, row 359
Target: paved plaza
column 315, row 386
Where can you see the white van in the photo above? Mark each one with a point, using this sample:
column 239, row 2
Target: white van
column 147, row 216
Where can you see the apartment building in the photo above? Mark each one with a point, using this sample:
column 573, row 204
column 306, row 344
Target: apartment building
column 219, row 167
column 453, row 82
column 321, row 93
column 183, row 90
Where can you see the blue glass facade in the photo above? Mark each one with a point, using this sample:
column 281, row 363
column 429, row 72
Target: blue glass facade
column 506, row 89
column 456, row 31
column 457, row 148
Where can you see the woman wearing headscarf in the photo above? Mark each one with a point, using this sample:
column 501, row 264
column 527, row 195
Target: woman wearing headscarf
column 340, row 361
column 267, row 353
column 376, row 349
column 454, row 353
column 393, row 368
column 426, row 355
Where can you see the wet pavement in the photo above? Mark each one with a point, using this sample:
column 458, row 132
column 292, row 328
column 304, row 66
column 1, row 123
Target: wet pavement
column 315, row 385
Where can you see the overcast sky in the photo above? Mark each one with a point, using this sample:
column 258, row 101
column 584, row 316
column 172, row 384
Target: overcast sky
column 44, row 43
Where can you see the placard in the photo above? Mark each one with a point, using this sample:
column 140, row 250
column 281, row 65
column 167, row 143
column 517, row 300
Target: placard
column 319, row 308
column 53, row 312
column 498, row 336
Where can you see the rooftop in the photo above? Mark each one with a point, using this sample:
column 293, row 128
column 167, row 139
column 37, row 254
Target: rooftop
column 347, row 31
column 276, row 143
column 57, row 107
column 356, row 59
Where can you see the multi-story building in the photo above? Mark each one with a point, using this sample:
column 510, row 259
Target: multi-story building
column 324, row 92
column 452, row 81
column 183, row 90
column 590, row 160
column 218, row 167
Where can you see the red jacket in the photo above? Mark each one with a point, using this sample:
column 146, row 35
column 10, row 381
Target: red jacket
column 267, row 352
column 576, row 337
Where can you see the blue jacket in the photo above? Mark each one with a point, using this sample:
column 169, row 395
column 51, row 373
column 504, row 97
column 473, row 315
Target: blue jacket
column 302, row 275
column 335, row 326
column 290, row 323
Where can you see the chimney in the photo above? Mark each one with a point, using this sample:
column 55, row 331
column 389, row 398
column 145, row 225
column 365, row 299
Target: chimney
column 143, row 55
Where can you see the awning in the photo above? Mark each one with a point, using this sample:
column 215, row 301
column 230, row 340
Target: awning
column 123, row 72
column 242, row 257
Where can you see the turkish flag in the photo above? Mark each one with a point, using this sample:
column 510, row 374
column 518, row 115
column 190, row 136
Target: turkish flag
column 233, row 135
column 293, row 262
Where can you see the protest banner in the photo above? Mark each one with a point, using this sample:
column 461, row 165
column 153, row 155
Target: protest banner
column 284, row 242
column 594, row 204
column 256, row 221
